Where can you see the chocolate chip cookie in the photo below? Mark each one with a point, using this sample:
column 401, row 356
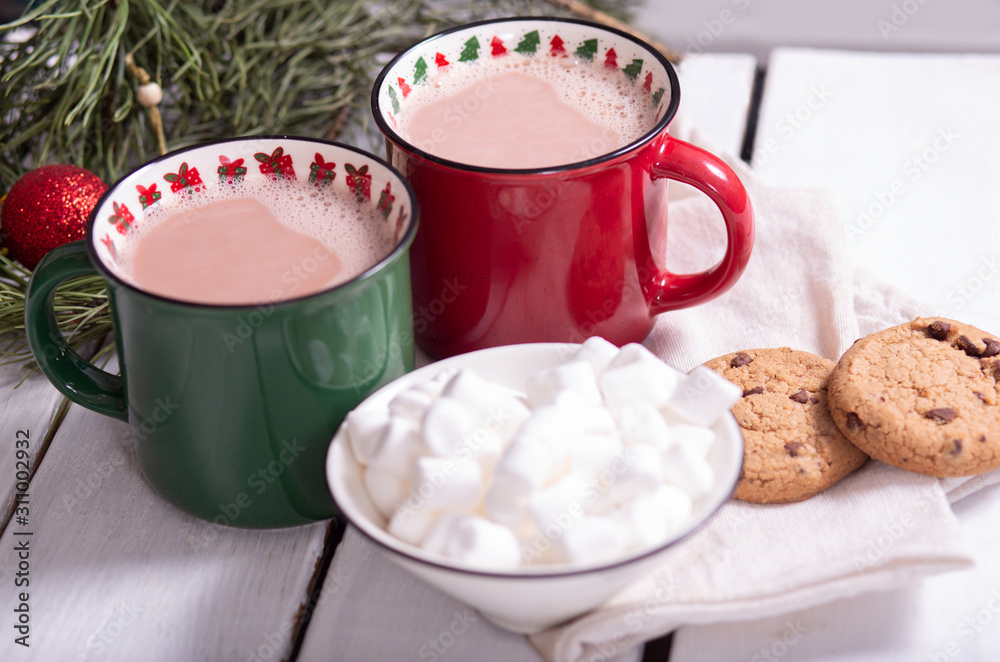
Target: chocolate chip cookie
column 793, row 448
column 922, row 396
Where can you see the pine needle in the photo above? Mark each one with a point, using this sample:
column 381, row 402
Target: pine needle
column 227, row 68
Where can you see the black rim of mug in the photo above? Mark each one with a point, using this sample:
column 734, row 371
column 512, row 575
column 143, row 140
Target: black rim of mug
column 657, row 129
column 401, row 246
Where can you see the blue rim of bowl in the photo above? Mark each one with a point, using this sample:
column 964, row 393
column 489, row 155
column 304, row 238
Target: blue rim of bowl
column 656, row 130
column 399, row 248
column 541, row 573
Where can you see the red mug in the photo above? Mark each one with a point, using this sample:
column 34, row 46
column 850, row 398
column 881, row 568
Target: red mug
column 553, row 254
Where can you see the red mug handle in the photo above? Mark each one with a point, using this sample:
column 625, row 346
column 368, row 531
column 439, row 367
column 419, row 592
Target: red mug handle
column 692, row 165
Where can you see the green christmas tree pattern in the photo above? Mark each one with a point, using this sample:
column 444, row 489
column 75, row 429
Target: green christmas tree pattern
column 587, row 50
column 419, row 71
column 470, row 52
column 529, row 43
column 633, row 69
column 394, row 99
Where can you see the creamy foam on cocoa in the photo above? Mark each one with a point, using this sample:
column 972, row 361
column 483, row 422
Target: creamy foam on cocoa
column 462, row 107
column 254, row 242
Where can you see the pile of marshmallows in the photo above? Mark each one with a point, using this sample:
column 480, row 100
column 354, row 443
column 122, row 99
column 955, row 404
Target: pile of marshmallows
column 600, row 455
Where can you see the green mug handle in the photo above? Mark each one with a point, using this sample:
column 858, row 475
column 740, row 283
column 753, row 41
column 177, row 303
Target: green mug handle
column 77, row 379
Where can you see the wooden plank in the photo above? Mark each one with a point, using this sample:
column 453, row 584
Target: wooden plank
column 27, row 410
column 749, row 26
column 907, row 144
column 715, row 97
column 118, row 573
column 371, row 609
column 873, row 130
column 947, row 617
column 365, row 596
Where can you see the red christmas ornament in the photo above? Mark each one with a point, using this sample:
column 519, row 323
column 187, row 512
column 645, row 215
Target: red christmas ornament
column 46, row 208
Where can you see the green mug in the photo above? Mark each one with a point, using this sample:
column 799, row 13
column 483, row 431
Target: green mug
column 232, row 407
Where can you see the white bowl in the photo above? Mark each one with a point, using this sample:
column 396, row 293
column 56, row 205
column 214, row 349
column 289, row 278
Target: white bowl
column 534, row 597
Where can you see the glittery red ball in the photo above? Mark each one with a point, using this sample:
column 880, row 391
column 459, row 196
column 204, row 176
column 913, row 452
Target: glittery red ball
column 46, row 208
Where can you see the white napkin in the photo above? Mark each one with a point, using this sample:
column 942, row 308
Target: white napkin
column 879, row 528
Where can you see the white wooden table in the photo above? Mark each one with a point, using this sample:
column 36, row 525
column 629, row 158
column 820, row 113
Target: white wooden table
column 117, row 574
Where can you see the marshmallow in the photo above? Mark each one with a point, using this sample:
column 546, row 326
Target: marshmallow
column 365, row 429
column 653, row 519
column 494, row 410
column 634, row 353
column 557, row 428
column 596, row 351
column 442, row 528
column 576, row 377
column 446, row 426
column 698, row 438
column 593, row 454
column 452, row 484
column 411, row 403
column 524, row 466
column 412, row 523
column 435, row 385
column 474, row 540
column 644, row 379
column 602, row 453
column 590, row 418
column 398, row 447
column 594, row 540
column 557, row 505
column 642, row 423
column 387, row 490
column 702, row 396
column 640, row 476
column 683, row 467
column 507, row 508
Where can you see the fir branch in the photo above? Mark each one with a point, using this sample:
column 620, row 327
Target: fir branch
column 227, row 68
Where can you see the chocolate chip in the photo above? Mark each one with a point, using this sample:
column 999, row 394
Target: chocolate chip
column 741, row 359
column 957, row 449
column 938, row 330
column 813, row 400
column 967, row 346
column 854, row 421
column 941, row 415
column 793, row 448
column 979, row 395
column 756, row 390
column 992, row 348
column 982, row 438
column 802, row 396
